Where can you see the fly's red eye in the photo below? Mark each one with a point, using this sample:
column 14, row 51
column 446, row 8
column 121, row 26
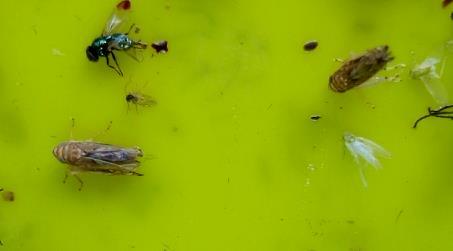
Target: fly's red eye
column 124, row 5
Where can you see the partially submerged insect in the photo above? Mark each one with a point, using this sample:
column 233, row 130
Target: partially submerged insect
column 442, row 112
column 359, row 69
column 427, row 73
column 111, row 39
column 364, row 149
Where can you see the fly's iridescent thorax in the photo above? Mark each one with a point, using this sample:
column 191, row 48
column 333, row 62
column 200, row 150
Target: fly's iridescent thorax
column 120, row 41
column 100, row 45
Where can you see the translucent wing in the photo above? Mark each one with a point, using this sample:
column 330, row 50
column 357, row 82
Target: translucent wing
column 118, row 17
column 436, row 88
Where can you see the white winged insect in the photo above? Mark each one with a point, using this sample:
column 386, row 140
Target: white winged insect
column 364, row 151
column 427, row 73
column 113, row 39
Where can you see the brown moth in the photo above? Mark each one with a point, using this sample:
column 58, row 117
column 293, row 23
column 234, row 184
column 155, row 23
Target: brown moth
column 359, row 69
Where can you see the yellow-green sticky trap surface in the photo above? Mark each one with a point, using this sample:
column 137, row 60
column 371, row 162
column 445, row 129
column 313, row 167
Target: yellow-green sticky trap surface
column 232, row 159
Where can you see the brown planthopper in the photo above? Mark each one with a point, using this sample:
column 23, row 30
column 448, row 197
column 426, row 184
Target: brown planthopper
column 90, row 156
column 360, row 69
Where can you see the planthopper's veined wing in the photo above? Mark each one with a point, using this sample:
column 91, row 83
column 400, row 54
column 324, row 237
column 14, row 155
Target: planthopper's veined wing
column 119, row 16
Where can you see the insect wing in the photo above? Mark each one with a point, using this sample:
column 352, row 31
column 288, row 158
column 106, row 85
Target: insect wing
column 436, row 88
column 119, row 16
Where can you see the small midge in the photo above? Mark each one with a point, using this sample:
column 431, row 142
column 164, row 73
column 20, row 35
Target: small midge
column 8, row 196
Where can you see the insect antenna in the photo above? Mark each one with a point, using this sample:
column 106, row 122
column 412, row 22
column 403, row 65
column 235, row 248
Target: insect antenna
column 104, row 131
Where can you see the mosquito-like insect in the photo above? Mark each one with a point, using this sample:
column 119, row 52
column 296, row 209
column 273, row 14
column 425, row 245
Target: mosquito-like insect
column 442, row 112
column 359, row 69
column 90, row 156
column 138, row 98
column 111, row 39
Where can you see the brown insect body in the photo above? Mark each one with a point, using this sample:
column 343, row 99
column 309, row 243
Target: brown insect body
column 359, row 69
column 88, row 156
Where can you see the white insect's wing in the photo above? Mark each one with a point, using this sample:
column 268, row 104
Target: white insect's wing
column 435, row 88
column 117, row 19
column 375, row 148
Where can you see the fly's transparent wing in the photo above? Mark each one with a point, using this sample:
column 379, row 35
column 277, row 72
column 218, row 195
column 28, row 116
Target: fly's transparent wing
column 119, row 16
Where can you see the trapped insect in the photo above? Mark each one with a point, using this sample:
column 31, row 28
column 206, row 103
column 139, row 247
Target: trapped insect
column 359, row 69
column 427, row 73
column 138, row 98
column 364, row 149
column 90, row 156
column 111, row 39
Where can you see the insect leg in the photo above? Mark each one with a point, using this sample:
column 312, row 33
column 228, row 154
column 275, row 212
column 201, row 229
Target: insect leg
column 117, row 65
column 420, row 119
column 65, row 177
column 104, row 131
column 80, row 181
column 111, row 66
column 129, row 31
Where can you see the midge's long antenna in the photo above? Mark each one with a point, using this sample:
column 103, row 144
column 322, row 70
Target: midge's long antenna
column 439, row 113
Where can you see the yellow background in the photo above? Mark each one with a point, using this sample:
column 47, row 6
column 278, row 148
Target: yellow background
column 232, row 160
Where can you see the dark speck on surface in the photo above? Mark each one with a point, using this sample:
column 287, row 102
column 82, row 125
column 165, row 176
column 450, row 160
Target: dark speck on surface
column 445, row 3
column 8, row 196
column 315, row 117
column 310, row 45
column 160, row 46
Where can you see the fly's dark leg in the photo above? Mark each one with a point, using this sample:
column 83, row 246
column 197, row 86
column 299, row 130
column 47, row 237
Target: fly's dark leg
column 80, row 181
column 111, row 66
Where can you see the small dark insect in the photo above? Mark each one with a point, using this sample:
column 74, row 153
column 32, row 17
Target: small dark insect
column 315, row 117
column 439, row 113
column 451, row 16
column 88, row 156
column 141, row 99
column 358, row 70
column 125, row 5
column 445, row 3
column 8, row 196
column 310, row 45
column 111, row 40
column 160, row 46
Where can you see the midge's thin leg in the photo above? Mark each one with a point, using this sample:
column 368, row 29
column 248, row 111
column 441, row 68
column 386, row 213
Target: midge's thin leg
column 111, row 66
